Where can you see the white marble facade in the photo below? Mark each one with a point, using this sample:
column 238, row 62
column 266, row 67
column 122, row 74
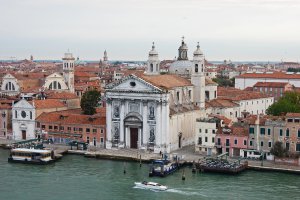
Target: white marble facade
column 23, row 120
column 137, row 114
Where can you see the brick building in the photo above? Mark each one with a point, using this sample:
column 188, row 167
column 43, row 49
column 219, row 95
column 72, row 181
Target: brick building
column 65, row 126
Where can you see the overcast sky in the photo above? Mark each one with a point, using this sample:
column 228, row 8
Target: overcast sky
column 260, row 30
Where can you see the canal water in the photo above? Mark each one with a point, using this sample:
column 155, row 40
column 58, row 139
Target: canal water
column 79, row 178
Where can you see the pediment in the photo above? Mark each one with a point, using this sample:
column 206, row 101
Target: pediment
column 133, row 83
column 9, row 76
column 54, row 75
column 22, row 104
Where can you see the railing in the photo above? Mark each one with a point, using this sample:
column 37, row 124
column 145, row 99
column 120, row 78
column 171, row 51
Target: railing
column 218, row 145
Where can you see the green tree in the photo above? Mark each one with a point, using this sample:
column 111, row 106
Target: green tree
column 278, row 150
column 224, row 82
column 290, row 102
column 89, row 102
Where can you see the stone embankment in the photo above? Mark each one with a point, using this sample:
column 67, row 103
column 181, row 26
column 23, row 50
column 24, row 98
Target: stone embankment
column 187, row 154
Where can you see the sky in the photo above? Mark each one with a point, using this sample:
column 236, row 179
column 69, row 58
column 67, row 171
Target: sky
column 239, row 30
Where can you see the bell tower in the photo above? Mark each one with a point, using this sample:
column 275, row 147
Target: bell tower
column 68, row 70
column 153, row 62
column 198, row 78
column 182, row 51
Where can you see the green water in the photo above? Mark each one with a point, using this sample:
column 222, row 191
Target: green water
column 78, row 178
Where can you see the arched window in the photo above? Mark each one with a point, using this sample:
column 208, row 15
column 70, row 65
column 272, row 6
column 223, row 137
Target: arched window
column 54, row 85
column 157, row 67
column 196, row 68
column 6, row 86
column 151, row 67
column 30, row 114
column 287, row 133
column 12, row 86
column 16, row 114
column 58, row 85
column 50, row 86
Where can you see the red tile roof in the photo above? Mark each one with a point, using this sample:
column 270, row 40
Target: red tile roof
column 221, row 103
column 238, row 95
column 293, row 115
column 274, row 75
column 166, row 81
column 69, row 118
column 47, row 103
column 62, row 95
column 271, row 84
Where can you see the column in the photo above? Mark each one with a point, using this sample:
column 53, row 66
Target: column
column 145, row 124
column 158, row 135
column 108, row 123
column 122, row 116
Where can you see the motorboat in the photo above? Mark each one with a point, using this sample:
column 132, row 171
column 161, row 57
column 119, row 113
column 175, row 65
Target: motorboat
column 163, row 168
column 151, row 185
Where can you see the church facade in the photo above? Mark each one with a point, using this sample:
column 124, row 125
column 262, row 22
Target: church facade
column 155, row 112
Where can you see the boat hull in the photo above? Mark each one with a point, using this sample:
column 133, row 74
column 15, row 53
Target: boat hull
column 36, row 162
column 160, row 188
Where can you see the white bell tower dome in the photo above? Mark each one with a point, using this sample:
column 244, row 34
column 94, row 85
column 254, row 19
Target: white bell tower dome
column 198, row 78
column 153, row 62
column 68, row 70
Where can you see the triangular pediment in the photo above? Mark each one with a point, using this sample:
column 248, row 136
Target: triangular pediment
column 9, row 76
column 133, row 83
column 22, row 104
column 55, row 75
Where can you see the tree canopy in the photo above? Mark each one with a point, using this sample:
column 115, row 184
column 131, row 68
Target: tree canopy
column 89, row 101
column 278, row 150
column 290, row 102
column 224, row 82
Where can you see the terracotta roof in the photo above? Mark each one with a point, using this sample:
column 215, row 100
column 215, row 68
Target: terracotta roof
column 237, row 94
column 62, row 95
column 275, row 75
column 239, row 131
column 166, row 81
column 221, row 103
column 69, row 118
column 5, row 106
column 84, row 74
column 48, row 103
column 271, row 84
column 226, row 120
column 293, row 115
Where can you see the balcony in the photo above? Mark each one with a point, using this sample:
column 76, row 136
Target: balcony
column 218, row 145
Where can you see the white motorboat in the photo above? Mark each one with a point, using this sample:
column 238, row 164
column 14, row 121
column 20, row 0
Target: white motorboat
column 151, row 185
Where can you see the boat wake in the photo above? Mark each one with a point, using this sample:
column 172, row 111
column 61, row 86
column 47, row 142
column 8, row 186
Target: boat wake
column 147, row 189
column 190, row 192
column 187, row 192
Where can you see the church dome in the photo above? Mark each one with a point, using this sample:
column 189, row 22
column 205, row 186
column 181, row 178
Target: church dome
column 181, row 67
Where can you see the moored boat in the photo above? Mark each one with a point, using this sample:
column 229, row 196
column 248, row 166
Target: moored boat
column 151, row 185
column 31, row 156
column 163, row 167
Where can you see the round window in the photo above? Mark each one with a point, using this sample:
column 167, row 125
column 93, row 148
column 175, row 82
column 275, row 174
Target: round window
column 132, row 84
column 23, row 114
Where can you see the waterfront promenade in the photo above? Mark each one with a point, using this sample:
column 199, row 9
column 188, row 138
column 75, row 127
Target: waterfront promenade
column 187, row 154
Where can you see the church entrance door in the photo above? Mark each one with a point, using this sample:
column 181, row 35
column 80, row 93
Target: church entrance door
column 23, row 135
column 133, row 138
